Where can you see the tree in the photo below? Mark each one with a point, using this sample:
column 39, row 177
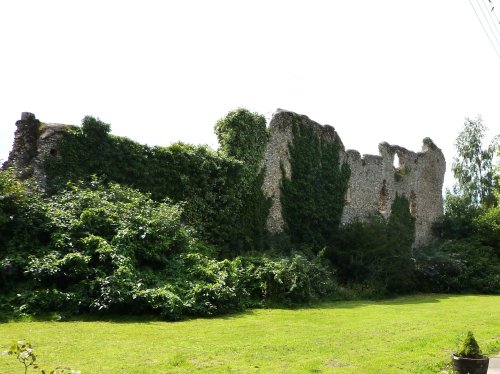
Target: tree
column 473, row 167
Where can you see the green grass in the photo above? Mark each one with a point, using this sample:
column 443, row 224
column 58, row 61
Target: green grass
column 406, row 334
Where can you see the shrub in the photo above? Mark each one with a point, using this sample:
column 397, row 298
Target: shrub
column 376, row 251
column 457, row 266
column 289, row 280
column 468, row 347
column 25, row 354
column 112, row 249
column 23, row 227
column 487, row 227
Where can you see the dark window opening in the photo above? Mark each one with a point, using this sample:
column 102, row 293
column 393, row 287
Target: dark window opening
column 413, row 203
column 383, row 197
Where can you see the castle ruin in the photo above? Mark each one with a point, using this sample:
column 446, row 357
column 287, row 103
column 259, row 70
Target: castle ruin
column 373, row 185
column 374, row 180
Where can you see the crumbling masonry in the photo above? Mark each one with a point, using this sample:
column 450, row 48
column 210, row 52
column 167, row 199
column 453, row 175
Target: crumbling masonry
column 373, row 185
column 374, row 180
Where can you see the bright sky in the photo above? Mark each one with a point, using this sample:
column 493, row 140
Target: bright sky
column 166, row 71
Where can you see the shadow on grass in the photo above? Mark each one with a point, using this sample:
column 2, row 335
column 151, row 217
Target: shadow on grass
column 356, row 303
column 115, row 318
column 151, row 318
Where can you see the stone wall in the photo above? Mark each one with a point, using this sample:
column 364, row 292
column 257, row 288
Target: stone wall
column 277, row 156
column 374, row 179
column 34, row 141
column 372, row 188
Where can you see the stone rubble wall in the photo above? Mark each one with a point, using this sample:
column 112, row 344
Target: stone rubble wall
column 34, row 142
column 277, row 156
column 374, row 179
column 372, row 188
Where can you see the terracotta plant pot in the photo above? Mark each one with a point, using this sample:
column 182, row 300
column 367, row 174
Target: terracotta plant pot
column 463, row 365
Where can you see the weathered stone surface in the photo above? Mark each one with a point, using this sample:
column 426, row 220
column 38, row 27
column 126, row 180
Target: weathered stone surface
column 33, row 143
column 372, row 188
column 374, row 179
column 277, row 156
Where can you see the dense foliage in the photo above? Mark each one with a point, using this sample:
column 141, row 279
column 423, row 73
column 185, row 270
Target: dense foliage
column 312, row 198
column 243, row 136
column 221, row 190
column 473, row 166
column 180, row 230
column 377, row 253
column 208, row 182
column 108, row 248
column 466, row 257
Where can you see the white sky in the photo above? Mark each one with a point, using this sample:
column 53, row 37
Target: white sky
column 166, row 71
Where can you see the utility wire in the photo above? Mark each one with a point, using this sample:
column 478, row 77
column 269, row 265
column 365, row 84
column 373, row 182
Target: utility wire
column 485, row 15
column 490, row 11
column 484, row 29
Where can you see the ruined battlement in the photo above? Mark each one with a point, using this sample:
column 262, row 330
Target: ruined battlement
column 374, row 182
column 34, row 141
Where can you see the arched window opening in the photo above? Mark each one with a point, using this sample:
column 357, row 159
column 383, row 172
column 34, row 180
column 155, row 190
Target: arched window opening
column 396, row 162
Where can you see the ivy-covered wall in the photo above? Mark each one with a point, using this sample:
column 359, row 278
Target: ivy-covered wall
column 294, row 177
column 243, row 135
column 206, row 181
column 221, row 190
column 313, row 196
column 373, row 181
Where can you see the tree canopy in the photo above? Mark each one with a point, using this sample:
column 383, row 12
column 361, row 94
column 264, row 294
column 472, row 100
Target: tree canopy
column 473, row 167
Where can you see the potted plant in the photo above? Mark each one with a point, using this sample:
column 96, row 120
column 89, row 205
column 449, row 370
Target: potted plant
column 468, row 358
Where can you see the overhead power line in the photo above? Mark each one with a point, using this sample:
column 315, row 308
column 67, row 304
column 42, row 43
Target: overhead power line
column 489, row 21
column 491, row 16
column 494, row 41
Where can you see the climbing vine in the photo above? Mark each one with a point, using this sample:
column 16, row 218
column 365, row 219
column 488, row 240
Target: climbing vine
column 312, row 198
column 208, row 182
column 243, row 135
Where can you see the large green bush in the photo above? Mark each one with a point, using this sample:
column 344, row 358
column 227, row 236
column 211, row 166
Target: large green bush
column 110, row 248
column 487, row 228
column 208, row 182
column 466, row 258
column 457, row 265
column 377, row 253
column 23, row 227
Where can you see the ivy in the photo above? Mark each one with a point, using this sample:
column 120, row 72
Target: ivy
column 207, row 181
column 312, row 198
column 243, row 135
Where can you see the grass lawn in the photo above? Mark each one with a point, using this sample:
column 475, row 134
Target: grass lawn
column 406, row 334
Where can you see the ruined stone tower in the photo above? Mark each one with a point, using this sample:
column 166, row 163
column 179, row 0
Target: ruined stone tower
column 34, row 141
column 374, row 180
